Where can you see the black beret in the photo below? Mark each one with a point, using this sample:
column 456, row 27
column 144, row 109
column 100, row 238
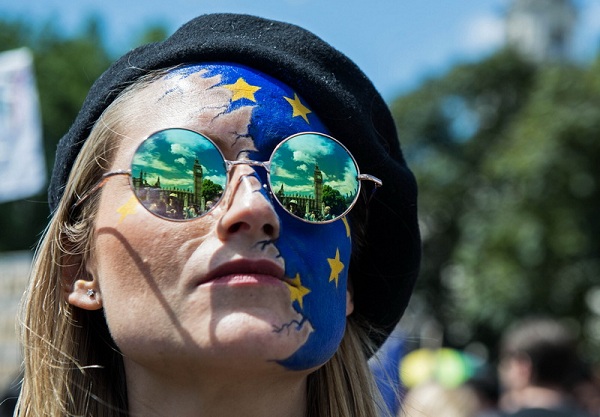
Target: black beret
column 344, row 99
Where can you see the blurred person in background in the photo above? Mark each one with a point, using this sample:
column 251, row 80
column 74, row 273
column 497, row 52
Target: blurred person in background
column 432, row 399
column 539, row 366
column 484, row 383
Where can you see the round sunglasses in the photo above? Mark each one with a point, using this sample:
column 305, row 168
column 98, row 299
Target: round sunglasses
column 179, row 174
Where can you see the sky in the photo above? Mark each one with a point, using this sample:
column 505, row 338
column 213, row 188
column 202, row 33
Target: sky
column 397, row 43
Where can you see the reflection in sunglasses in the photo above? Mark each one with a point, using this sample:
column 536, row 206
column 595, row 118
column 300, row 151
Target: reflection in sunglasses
column 180, row 174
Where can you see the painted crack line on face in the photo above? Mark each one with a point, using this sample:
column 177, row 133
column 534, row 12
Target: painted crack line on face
column 287, row 326
column 264, row 243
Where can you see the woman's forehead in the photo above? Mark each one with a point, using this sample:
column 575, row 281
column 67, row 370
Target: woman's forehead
column 244, row 111
column 240, row 104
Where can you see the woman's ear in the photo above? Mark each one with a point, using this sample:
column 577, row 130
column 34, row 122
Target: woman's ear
column 349, row 298
column 80, row 288
column 349, row 303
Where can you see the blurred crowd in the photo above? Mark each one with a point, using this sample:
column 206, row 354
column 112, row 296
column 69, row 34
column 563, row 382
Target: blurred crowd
column 539, row 374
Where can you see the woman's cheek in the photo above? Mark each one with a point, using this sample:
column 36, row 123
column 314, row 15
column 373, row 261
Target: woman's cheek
column 317, row 257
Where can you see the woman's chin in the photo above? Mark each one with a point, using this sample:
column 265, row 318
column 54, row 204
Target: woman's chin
column 260, row 332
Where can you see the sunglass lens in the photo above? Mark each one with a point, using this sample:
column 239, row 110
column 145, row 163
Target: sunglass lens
column 314, row 177
column 178, row 174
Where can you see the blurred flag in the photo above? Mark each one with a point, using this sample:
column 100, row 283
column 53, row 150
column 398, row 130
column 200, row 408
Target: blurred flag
column 22, row 166
column 385, row 366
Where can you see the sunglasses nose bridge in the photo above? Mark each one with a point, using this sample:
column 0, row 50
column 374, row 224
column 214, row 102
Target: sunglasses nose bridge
column 247, row 208
column 265, row 164
column 249, row 162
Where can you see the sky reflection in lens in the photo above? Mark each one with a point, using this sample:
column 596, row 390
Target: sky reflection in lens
column 294, row 162
column 180, row 174
column 170, row 155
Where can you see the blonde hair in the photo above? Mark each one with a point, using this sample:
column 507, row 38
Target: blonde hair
column 72, row 367
column 344, row 386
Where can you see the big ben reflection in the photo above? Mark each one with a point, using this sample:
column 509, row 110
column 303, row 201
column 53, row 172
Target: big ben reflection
column 168, row 183
column 314, row 175
column 197, row 181
column 305, row 204
column 318, row 178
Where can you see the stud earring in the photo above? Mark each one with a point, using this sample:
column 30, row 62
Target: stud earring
column 91, row 293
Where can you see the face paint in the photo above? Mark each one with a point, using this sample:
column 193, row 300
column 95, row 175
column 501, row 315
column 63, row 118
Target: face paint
column 246, row 115
column 316, row 256
column 128, row 208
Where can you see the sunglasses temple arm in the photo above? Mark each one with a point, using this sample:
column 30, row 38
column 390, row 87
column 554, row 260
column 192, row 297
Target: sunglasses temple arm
column 105, row 177
column 367, row 177
column 378, row 183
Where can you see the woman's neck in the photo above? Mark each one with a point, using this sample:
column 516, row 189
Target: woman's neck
column 218, row 395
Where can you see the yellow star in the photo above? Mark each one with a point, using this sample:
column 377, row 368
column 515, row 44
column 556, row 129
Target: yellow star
column 297, row 291
column 345, row 220
column 336, row 267
column 241, row 89
column 128, row 208
column 298, row 108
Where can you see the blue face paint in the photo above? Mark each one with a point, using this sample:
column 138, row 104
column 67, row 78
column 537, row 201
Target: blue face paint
column 316, row 257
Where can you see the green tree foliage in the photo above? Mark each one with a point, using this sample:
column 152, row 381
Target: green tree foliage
column 65, row 69
column 155, row 33
column 210, row 190
column 505, row 155
column 13, row 34
column 334, row 199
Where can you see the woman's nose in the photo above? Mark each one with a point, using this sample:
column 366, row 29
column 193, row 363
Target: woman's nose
column 248, row 209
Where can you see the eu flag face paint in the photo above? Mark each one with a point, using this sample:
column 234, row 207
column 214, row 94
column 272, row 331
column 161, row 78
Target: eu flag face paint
column 316, row 256
column 246, row 140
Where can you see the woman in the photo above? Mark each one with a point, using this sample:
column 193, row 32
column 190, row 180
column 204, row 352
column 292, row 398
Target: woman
column 247, row 309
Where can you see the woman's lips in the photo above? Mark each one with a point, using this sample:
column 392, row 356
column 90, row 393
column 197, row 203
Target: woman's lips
column 245, row 272
column 244, row 279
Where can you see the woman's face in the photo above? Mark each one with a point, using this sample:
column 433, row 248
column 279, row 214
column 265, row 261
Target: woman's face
column 246, row 285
